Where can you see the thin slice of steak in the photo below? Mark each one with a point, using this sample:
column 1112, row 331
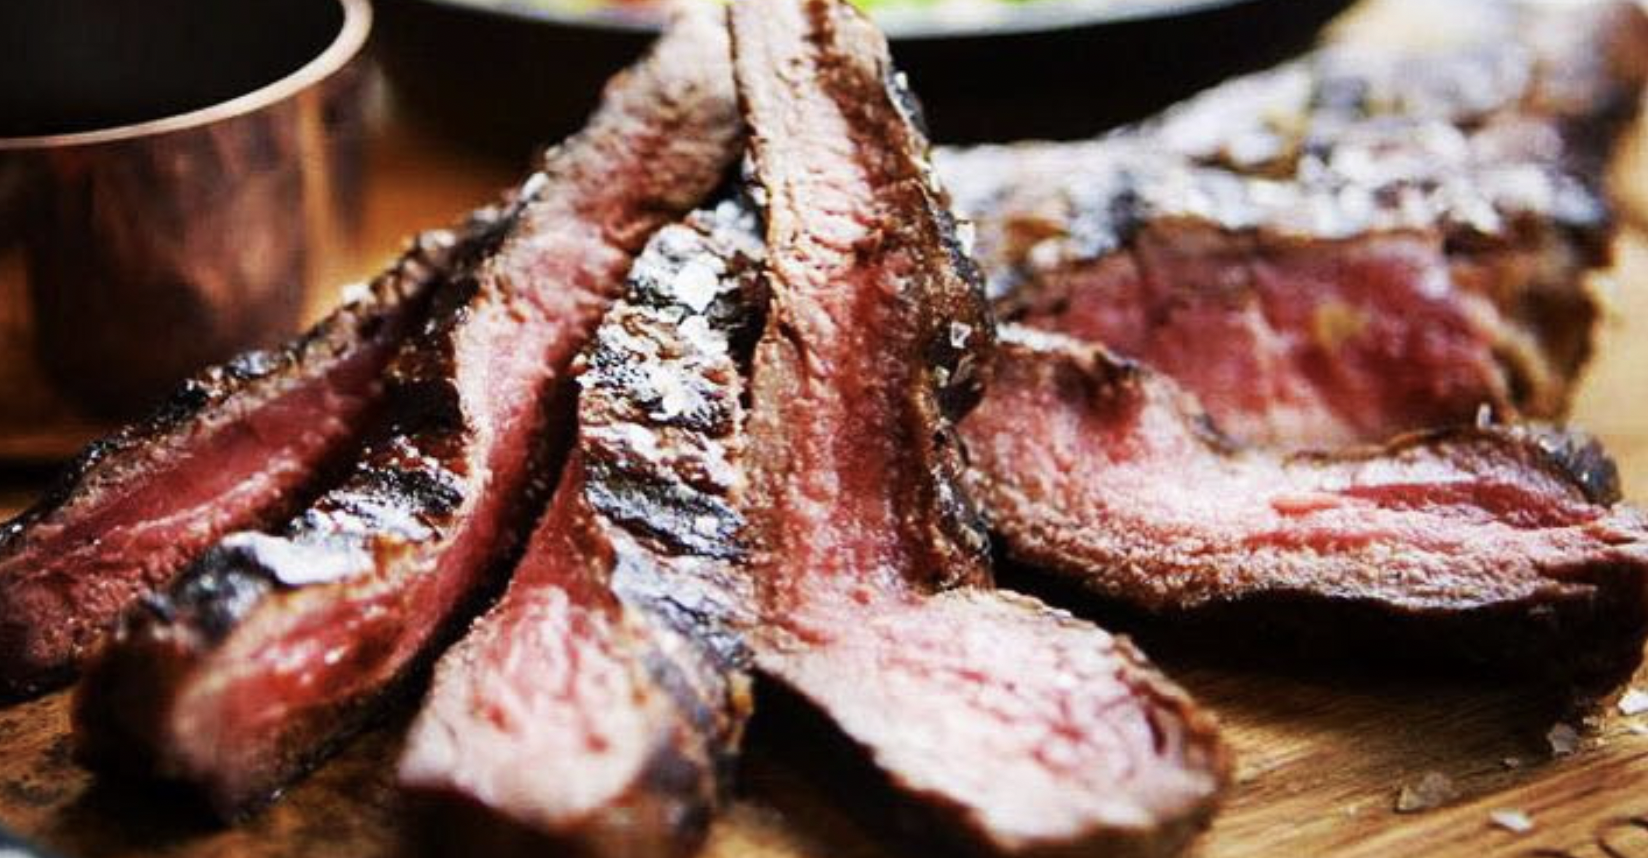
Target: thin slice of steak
column 597, row 708
column 1024, row 730
column 273, row 648
column 236, row 447
column 1497, row 544
column 1364, row 242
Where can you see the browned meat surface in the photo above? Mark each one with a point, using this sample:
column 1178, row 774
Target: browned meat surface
column 236, row 447
column 276, row 646
column 1364, row 242
column 1028, row 731
column 596, row 710
column 1493, row 543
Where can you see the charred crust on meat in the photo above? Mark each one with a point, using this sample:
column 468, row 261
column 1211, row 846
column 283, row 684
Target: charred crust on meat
column 215, row 600
column 683, row 519
column 646, row 512
column 1485, row 161
column 686, row 328
column 409, row 280
column 339, row 361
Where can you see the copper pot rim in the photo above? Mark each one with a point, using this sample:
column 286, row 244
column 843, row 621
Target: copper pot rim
column 344, row 47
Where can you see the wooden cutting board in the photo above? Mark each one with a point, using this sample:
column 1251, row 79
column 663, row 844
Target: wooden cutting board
column 1322, row 757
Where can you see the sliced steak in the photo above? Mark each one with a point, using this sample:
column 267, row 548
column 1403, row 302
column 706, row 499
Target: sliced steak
column 1027, row 731
column 236, row 447
column 1364, row 242
column 1492, row 543
column 273, row 648
column 613, row 664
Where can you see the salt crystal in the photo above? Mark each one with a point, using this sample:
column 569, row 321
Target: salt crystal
column 351, row 293
column 1514, row 821
column 696, row 285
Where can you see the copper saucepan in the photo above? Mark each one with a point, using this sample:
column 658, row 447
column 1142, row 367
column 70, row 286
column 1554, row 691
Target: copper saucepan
column 172, row 175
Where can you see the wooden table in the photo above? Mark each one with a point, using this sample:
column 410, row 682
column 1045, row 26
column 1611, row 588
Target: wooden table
column 1322, row 756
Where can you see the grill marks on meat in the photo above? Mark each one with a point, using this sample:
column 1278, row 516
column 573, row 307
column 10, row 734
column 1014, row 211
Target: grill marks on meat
column 612, row 666
column 1031, row 730
column 274, row 647
column 1358, row 244
column 235, row 447
column 1510, row 538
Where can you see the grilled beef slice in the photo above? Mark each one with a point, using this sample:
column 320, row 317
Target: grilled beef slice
column 1493, row 543
column 274, row 647
column 612, row 667
column 1361, row 243
column 1029, row 731
column 235, row 447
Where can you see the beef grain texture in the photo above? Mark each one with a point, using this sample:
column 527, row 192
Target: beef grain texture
column 1497, row 544
column 1022, row 729
column 612, row 667
column 273, row 648
column 1364, row 242
column 235, row 447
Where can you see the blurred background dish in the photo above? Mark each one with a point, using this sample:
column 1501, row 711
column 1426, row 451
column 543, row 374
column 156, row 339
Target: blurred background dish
column 172, row 173
column 512, row 74
column 13, row 847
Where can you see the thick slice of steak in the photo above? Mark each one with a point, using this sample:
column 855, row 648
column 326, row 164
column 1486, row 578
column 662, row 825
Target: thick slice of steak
column 612, row 667
column 274, row 647
column 1364, row 242
column 235, row 447
column 1493, row 543
column 1026, row 730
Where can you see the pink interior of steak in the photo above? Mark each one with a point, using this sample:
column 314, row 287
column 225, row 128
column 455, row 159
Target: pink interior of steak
column 1119, row 482
column 1023, row 724
column 546, row 707
column 1365, row 241
column 580, row 667
column 264, row 679
column 78, row 569
column 1319, row 343
column 1037, row 726
column 308, row 650
column 828, row 411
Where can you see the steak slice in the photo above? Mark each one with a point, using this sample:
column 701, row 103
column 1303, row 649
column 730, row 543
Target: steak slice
column 1364, row 242
column 1030, row 732
column 273, row 648
column 614, row 663
column 235, row 447
column 1493, row 543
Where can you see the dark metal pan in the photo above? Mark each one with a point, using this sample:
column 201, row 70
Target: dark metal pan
column 511, row 77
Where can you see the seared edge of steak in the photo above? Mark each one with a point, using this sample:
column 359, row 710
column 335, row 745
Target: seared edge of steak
column 632, row 707
column 272, row 648
column 1511, row 535
column 1025, row 730
column 239, row 445
column 276, row 647
column 1491, row 153
column 670, row 359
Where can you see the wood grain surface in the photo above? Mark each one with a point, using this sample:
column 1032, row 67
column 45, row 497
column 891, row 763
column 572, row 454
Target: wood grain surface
column 1324, row 755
